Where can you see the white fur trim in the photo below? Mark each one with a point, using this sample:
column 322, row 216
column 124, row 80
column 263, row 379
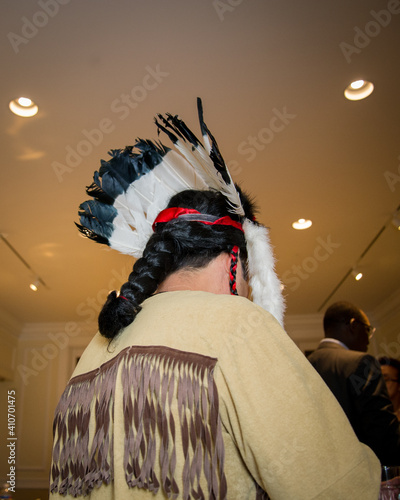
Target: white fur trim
column 265, row 285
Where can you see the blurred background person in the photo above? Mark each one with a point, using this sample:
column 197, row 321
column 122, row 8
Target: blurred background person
column 391, row 373
column 355, row 378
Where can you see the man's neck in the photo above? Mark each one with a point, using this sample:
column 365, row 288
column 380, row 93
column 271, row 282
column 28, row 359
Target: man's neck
column 213, row 278
column 335, row 341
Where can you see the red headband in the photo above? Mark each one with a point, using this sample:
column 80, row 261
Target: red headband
column 173, row 213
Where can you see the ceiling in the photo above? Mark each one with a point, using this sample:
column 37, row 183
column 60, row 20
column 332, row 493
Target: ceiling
column 271, row 76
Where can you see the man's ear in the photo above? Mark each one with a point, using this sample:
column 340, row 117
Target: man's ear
column 353, row 332
column 226, row 261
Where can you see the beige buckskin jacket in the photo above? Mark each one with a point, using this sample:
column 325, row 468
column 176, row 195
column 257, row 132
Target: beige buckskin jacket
column 204, row 396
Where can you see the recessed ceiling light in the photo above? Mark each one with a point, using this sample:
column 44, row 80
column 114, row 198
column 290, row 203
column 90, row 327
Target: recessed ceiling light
column 359, row 89
column 302, row 224
column 357, row 84
column 23, row 107
column 30, row 154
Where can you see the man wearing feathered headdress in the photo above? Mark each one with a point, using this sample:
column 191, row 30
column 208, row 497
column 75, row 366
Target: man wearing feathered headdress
column 190, row 390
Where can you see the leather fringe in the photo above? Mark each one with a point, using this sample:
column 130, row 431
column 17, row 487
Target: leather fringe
column 80, row 461
column 158, row 384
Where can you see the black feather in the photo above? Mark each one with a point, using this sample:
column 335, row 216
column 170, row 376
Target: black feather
column 151, row 155
column 96, row 226
column 180, row 126
column 171, row 136
column 97, row 210
column 97, row 192
column 179, row 129
column 203, row 127
column 96, row 220
column 215, row 153
column 113, row 179
column 126, row 166
column 92, row 235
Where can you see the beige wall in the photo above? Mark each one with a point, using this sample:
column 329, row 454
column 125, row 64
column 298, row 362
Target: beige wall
column 39, row 359
column 386, row 317
column 45, row 357
column 9, row 330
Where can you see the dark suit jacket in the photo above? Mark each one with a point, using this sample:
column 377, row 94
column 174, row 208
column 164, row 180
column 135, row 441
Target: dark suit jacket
column 355, row 378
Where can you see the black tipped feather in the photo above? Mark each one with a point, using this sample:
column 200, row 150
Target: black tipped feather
column 97, row 210
column 203, row 128
column 97, row 192
column 215, row 153
column 92, row 235
column 113, row 179
column 125, row 167
column 172, row 137
column 180, row 127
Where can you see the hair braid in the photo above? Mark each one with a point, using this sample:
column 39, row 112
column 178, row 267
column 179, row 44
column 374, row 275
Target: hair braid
column 233, row 269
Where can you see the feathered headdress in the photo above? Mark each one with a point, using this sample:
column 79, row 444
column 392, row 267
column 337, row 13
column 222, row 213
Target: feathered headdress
column 136, row 184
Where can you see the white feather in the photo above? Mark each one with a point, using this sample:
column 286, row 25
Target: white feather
column 146, row 197
column 265, row 285
column 207, row 143
column 201, row 161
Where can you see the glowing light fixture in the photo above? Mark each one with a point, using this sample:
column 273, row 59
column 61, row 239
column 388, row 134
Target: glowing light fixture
column 23, row 107
column 35, row 285
column 356, row 274
column 302, row 224
column 357, row 84
column 359, row 89
column 396, row 221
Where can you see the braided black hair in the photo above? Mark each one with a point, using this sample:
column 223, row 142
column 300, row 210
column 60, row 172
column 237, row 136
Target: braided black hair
column 174, row 245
